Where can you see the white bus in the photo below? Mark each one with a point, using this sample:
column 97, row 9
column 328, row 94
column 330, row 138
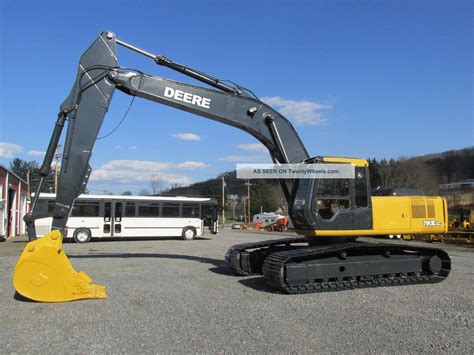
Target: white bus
column 101, row 216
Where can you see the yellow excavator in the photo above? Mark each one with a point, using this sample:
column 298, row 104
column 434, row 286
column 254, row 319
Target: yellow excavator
column 329, row 213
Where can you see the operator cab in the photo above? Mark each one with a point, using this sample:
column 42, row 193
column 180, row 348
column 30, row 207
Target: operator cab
column 333, row 204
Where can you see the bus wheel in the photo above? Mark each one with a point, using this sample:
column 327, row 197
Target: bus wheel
column 189, row 233
column 82, row 235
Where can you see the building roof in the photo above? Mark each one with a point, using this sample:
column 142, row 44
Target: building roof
column 134, row 198
column 12, row 173
column 465, row 182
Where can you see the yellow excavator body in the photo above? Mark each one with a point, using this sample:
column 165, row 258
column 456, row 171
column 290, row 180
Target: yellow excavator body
column 398, row 215
column 43, row 273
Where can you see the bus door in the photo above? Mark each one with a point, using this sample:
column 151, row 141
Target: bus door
column 112, row 219
column 117, row 224
column 209, row 215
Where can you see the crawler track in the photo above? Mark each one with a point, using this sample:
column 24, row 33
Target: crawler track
column 247, row 259
column 293, row 267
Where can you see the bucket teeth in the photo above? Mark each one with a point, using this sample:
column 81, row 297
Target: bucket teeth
column 43, row 273
column 96, row 291
column 84, row 288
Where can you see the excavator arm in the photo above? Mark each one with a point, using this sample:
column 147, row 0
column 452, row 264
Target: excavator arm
column 85, row 108
column 43, row 272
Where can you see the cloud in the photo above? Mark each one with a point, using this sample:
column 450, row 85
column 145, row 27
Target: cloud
column 253, row 147
column 133, row 147
column 36, row 153
column 245, row 159
column 190, row 165
column 140, row 171
column 137, row 165
column 8, row 150
column 187, row 136
column 137, row 177
column 301, row 112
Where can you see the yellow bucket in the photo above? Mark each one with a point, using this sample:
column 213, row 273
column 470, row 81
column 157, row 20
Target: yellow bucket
column 43, row 273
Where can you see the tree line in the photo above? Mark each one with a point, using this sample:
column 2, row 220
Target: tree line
column 29, row 171
column 423, row 172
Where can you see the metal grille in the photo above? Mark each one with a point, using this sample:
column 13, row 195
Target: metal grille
column 418, row 209
column 430, row 208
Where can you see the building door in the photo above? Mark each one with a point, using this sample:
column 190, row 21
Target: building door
column 11, row 213
column 2, row 216
column 3, row 232
column 22, row 213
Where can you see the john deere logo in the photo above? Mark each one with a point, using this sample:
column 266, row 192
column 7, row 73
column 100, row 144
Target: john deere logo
column 187, row 97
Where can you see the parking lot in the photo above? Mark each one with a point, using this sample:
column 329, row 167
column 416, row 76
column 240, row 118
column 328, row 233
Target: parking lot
column 169, row 295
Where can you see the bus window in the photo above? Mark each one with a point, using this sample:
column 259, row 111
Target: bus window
column 118, row 209
column 209, row 214
column 149, row 210
column 190, row 210
column 85, row 209
column 130, row 209
column 107, row 211
column 208, row 211
column 170, row 210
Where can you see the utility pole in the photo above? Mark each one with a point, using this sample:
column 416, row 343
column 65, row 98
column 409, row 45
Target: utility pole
column 57, row 155
column 248, row 199
column 223, row 201
column 28, row 181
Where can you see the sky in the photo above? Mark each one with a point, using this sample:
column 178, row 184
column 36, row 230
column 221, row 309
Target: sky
column 383, row 79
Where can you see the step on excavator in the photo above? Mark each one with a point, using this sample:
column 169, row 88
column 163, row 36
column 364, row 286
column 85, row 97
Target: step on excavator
column 328, row 214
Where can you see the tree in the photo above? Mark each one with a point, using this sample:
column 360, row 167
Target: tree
column 156, row 184
column 374, row 170
column 232, row 202
column 21, row 168
column 264, row 196
column 144, row 192
column 127, row 193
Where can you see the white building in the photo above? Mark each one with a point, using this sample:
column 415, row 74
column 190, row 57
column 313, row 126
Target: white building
column 13, row 203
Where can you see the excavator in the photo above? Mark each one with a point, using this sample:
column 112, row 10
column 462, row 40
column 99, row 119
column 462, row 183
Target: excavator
column 328, row 214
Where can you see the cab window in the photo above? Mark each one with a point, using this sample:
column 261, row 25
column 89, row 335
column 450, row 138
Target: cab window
column 332, row 196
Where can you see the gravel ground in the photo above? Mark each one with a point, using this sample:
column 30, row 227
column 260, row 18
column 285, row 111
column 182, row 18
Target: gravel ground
column 174, row 296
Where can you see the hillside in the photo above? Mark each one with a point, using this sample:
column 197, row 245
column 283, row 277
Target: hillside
column 426, row 172
column 266, row 195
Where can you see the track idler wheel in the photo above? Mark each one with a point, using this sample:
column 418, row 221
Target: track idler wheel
column 432, row 264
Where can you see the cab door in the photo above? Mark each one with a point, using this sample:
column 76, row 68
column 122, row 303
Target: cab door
column 362, row 204
column 332, row 204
